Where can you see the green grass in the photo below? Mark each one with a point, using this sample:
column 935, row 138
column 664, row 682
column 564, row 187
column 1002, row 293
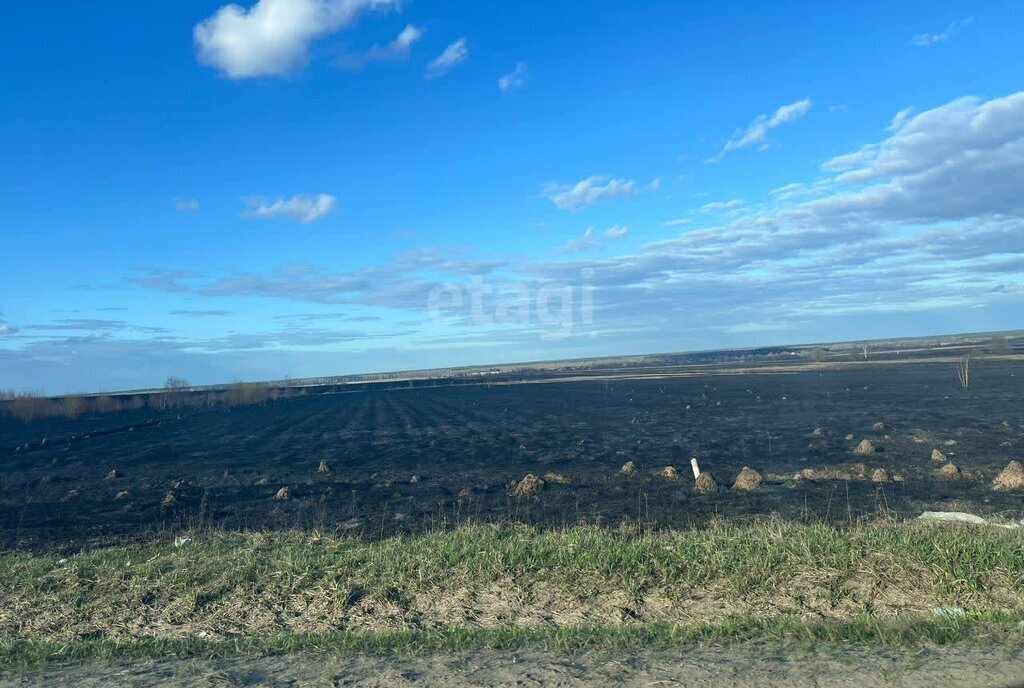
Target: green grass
column 490, row 586
column 17, row 656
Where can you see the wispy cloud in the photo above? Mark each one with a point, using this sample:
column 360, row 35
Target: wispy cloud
column 515, row 79
column 584, row 242
column 272, row 37
column 924, row 40
column 303, row 207
column 186, row 205
column 588, row 191
column 456, row 53
column 616, row 232
column 757, row 131
column 6, row 328
column 200, row 313
column 716, row 206
column 397, row 50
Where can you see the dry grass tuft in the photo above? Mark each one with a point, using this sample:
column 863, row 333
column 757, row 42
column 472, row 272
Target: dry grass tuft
column 1011, row 479
column 628, row 468
column 669, row 472
column 865, row 447
column 748, row 480
column 529, row 485
column 938, row 456
column 950, row 471
column 705, row 484
column 283, row 495
column 556, row 479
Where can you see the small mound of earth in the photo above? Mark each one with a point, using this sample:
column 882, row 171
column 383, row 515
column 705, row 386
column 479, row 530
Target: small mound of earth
column 818, row 432
column 938, row 456
column 748, row 480
column 669, row 472
column 855, row 471
column 865, row 447
column 878, row 427
column 415, row 479
column 122, row 495
column 283, row 495
column 168, row 500
column 849, row 437
column 529, row 485
column 1011, row 478
column 705, row 484
column 323, row 468
column 950, row 471
column 556, row 479
column 880, row 475
column 114, row 475
column 628, row 468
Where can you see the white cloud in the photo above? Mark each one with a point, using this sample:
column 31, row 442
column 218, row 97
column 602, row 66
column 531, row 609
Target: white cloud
column 756, row 131
column 303, row 207
column 514, row 79
column 456, row 53
column 722, row 205
column 397, row 50
column 924, row 40
column 588, row 191
column 616, row 232
column 186, row 205
column 677, row 222
column 580, row 243
column 7, row 329
column 272, row 37
column 900, row 118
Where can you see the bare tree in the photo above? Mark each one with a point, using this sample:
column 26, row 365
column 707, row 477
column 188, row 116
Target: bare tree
column 177, row 384
column 963, row 371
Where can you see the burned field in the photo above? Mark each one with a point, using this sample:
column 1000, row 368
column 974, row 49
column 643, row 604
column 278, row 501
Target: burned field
column 406, row 459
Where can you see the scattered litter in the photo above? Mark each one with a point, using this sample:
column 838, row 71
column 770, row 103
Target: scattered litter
column 182, row 541
column 961, row 517
column 61, row 562
column 695, row 467
column 949, row 612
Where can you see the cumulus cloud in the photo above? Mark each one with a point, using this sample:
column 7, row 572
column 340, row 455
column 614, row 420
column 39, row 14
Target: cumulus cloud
column 616, row 232
column 514, row 79
column 272, row 37
column 397, row 50
column 958, row 160
column 456, row 53
column 924, row 40
column 588, row 191
column 925, row 221
column 757, row 131
column 303, row 207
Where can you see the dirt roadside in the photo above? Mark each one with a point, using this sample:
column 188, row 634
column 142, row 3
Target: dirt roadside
column 748, row 665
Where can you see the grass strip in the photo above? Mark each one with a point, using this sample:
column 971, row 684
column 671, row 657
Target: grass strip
column 19, row 656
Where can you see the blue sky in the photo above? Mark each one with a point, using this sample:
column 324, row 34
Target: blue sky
column 305, row 187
